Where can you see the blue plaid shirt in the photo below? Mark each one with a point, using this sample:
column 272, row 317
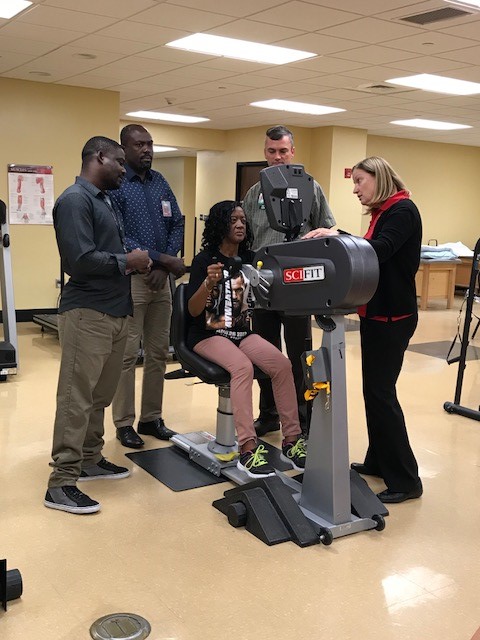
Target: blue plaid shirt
column 151, row 216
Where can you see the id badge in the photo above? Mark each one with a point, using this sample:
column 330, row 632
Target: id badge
column 166, row 209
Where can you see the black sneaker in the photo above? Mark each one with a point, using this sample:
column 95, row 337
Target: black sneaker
column 295, row 453
column 103, row 470
column 254, row 463
column 71, row 499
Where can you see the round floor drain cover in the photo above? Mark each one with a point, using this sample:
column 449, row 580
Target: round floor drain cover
column 120, row 626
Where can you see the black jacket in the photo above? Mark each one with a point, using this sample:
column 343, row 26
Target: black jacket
column 397, row 240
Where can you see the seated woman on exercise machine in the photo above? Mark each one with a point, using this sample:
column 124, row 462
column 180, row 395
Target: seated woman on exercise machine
column 219, row 303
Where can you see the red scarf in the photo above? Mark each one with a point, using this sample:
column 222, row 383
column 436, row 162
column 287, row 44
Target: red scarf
column 375, row 215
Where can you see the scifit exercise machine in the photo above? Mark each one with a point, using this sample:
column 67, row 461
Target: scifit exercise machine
column 9, row 346
column 328, row 278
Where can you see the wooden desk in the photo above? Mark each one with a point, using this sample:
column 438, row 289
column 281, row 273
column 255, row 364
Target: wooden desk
column 436, row 279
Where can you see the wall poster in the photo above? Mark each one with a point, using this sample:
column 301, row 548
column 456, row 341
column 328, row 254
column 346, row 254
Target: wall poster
column 30, row 194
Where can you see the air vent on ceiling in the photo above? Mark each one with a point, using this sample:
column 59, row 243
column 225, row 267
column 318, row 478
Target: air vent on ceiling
column 448, row 13
column 380, row 88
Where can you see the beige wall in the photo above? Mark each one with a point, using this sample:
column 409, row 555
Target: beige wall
column 443, row 180
column 46, row 124
column 180, row 174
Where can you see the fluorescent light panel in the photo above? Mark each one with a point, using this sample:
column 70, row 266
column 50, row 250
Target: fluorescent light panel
column 239, row 49
column 169, row 117
column 159, row 149
column 438, row 84
column 466, row 4
column 420, row 123
column 295, row 107
column 10, row 8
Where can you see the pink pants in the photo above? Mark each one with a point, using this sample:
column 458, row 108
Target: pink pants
column 239, row 361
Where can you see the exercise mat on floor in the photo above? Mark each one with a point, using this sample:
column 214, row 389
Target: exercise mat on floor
column 173, row 467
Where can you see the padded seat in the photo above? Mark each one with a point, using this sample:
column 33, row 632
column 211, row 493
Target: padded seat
column 206, row 370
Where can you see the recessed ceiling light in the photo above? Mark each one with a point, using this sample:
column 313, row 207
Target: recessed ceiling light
column 420, row 123
column 295, row 107
column 467, row 4
column 239, row 49
column 438, row 84
column 160, row 149
column 169, row 117
column 39, row 73
column 10, row 8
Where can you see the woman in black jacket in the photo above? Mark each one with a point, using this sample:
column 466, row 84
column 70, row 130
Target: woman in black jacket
column 387, row 323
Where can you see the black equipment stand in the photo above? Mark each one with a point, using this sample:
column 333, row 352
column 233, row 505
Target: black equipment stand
column 9, row 345
column 455, row 406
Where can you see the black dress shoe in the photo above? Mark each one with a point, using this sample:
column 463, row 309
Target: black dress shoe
column 266, row 425
column 129, row 438
column 359, row 467
column 388, row 496
column 156, row 428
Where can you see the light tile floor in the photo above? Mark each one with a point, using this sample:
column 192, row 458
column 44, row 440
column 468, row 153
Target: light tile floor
column 173, row 559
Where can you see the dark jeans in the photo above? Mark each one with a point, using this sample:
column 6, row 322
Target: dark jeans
column 297, row 333
column 389, row 451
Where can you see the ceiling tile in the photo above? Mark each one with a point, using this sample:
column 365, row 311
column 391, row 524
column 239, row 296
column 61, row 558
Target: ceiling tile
column 370, row 30
column 319, row 44
column 167, row 15
column 115, row 45
column 423, row 64
column 254, row 31
column 64, row 19
column 39, row 33
column 229, row 7
column 469, row 55
column 25, row 45
column 118, row 9
column 129, row 30
column 9, row 60
column 304, row 15
column 375, row 53
column 430, row 43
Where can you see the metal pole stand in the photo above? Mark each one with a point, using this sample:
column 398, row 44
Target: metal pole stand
column 9, row 346
column 455, row 406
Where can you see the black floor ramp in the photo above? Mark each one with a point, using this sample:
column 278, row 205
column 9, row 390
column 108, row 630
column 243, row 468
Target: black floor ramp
column 279, row 498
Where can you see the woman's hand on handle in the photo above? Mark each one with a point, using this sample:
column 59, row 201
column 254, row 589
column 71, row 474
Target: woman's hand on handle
column 321, row 232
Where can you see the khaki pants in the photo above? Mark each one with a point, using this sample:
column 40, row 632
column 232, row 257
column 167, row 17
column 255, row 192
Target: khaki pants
column 92, row 344
column 151, row 324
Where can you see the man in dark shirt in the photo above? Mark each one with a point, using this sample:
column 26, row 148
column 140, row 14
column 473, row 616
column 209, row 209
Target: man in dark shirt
column 92, row 323
column 153, row 221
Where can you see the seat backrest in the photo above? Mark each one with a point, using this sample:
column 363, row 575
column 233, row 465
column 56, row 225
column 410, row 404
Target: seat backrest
column 207, row 371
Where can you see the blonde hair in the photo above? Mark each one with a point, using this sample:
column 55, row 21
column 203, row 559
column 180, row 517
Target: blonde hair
column 387, row 181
